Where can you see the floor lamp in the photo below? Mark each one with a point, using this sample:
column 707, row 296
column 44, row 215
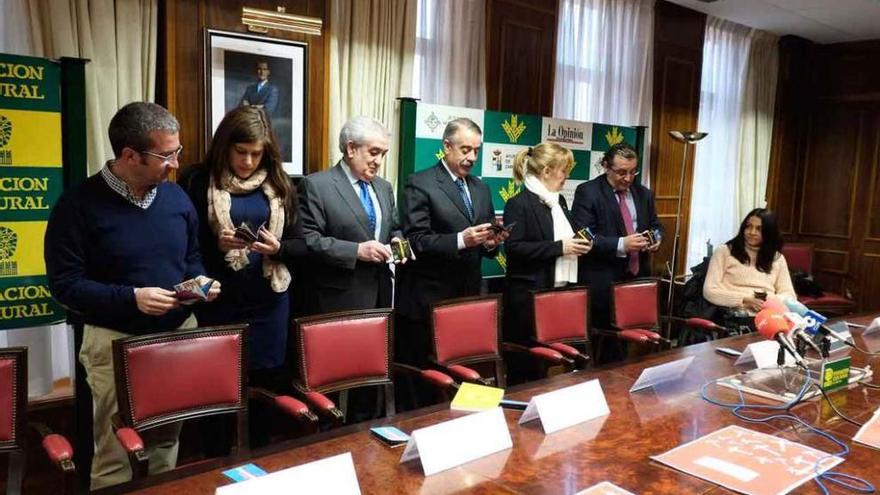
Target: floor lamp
column 688, row 138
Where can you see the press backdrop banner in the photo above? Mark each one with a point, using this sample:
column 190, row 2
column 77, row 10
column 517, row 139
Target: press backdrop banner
column 504, row 135
column 31, row 180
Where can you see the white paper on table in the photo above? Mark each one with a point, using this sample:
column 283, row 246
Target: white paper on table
column 457, row 441
column 869, row 433
column 604, row 488
column 663, row 373
column 763, row 354
column 567, row 406
column 331, row 475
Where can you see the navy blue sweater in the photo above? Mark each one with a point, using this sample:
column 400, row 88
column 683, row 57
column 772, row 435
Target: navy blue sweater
column 99, row 247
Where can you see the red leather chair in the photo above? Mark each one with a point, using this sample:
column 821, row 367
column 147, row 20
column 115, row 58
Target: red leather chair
column 174, row 376
column 562, row 320
column 799, row 256
column 635, row 314
column 13, row 422
column 341, row 351
column 465, row 331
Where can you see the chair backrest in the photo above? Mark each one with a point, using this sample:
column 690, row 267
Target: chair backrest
column 798, row 256
column 635, row 304
column 13, row 397
column 344, row 350
column 172, row 376
column 466, row 329
column 561, row 314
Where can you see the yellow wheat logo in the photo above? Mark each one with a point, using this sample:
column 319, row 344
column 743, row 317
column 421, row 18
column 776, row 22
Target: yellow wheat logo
column 613, row 136
column 440, row 154
column 502, row 261
column 509, row 191
column 513, row 128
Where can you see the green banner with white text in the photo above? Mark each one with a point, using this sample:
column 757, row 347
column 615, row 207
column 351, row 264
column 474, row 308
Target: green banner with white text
column 31, row 180
column 504, row 135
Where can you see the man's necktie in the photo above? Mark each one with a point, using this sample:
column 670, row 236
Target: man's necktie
column 633, row 264
column 368, row 205
column 464, row 197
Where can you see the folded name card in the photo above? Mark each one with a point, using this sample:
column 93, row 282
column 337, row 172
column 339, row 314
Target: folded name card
column 664, row 373
column 331, row 475
column 763, row 354
column 604, row 488
column 567, row 406
column 457, row 441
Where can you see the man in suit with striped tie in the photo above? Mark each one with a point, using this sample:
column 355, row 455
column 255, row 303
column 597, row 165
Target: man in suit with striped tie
column 446, row 216
column 348, row 220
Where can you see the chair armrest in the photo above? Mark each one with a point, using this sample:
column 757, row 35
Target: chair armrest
column 59, row 451
column 633, row 336
column 465, row 374
column 288, row 405
column 538, row 351
column 130, row 440
column 325, row 406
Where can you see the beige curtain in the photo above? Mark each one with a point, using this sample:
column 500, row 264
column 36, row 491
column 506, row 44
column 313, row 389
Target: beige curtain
column 756, row 122
column 119, row 37
column 372, row 44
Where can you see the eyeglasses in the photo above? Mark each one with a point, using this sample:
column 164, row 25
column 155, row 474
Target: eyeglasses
column 167, row 158
column 623, row 173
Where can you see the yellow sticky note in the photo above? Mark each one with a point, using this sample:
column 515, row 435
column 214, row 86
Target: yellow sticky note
column 472, row 397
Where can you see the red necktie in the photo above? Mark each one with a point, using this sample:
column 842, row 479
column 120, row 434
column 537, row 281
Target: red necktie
column 633, row 264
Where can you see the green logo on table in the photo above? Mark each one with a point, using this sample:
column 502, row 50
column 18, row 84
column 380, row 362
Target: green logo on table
column 835, row 374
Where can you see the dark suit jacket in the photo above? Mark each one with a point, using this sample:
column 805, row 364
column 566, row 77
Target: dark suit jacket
column 433, row 215
column 334, row 222
column 268, row 97
column 531, row 259
column 595, row 206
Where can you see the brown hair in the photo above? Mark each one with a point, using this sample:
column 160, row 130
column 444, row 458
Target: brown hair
column 545, row 155
column 249, row 124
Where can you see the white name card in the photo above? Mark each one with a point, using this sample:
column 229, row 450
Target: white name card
column 331, row 475
column 567, row 406
column 763, row 354
column 873, row 327
column 457, row 441
column 664, row 373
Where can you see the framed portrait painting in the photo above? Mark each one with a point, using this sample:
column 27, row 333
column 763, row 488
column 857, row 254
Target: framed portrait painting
column 243, row 69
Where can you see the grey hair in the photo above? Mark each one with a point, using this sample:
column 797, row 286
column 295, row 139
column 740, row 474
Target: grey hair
column 133, row 123
column 453, row 126
column 359, row 129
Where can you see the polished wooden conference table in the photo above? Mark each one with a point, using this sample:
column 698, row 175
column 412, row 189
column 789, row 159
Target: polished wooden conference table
column 616, row 448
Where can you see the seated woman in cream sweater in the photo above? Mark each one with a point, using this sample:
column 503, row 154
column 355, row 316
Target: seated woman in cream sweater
column 749, row 266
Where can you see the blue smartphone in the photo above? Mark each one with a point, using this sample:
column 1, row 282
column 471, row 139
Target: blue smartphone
column 390, row 436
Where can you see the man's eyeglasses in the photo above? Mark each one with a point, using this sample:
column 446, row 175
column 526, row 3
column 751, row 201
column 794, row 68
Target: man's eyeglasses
column 167, row 158
column 623, row 173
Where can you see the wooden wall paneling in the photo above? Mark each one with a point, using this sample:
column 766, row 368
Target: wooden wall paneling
column 521, row 55
column 183, row 83
column 872, row 220
column 869, row 288
column 678, row 57
column 831, row 170
column 793, row 91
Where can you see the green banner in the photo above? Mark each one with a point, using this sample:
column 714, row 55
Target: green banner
column 835, row 374
column 31, row 180
column 504, row 135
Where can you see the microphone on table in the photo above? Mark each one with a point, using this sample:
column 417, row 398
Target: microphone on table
column 799, row 333
column 772, row 325
column 815, row 321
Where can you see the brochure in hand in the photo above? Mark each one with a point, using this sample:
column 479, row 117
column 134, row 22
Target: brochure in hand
column 191, row 291
column 248, row 234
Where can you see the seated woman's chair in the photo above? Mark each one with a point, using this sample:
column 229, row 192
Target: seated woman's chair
column 13, row 424
column 799, row 256
column 341, row 351
column 170, row 377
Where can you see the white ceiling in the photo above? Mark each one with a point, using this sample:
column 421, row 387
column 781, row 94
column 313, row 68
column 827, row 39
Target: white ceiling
column 821, row 21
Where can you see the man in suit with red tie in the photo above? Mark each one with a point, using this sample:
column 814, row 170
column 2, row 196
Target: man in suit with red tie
column 617, row 211
column 446, row 216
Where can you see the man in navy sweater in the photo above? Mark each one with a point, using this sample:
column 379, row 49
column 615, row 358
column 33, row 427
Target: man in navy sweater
column 115, row 247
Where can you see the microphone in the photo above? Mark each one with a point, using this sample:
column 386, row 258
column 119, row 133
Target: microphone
column 772, row 325
column 798, row 331
column 815, row 322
